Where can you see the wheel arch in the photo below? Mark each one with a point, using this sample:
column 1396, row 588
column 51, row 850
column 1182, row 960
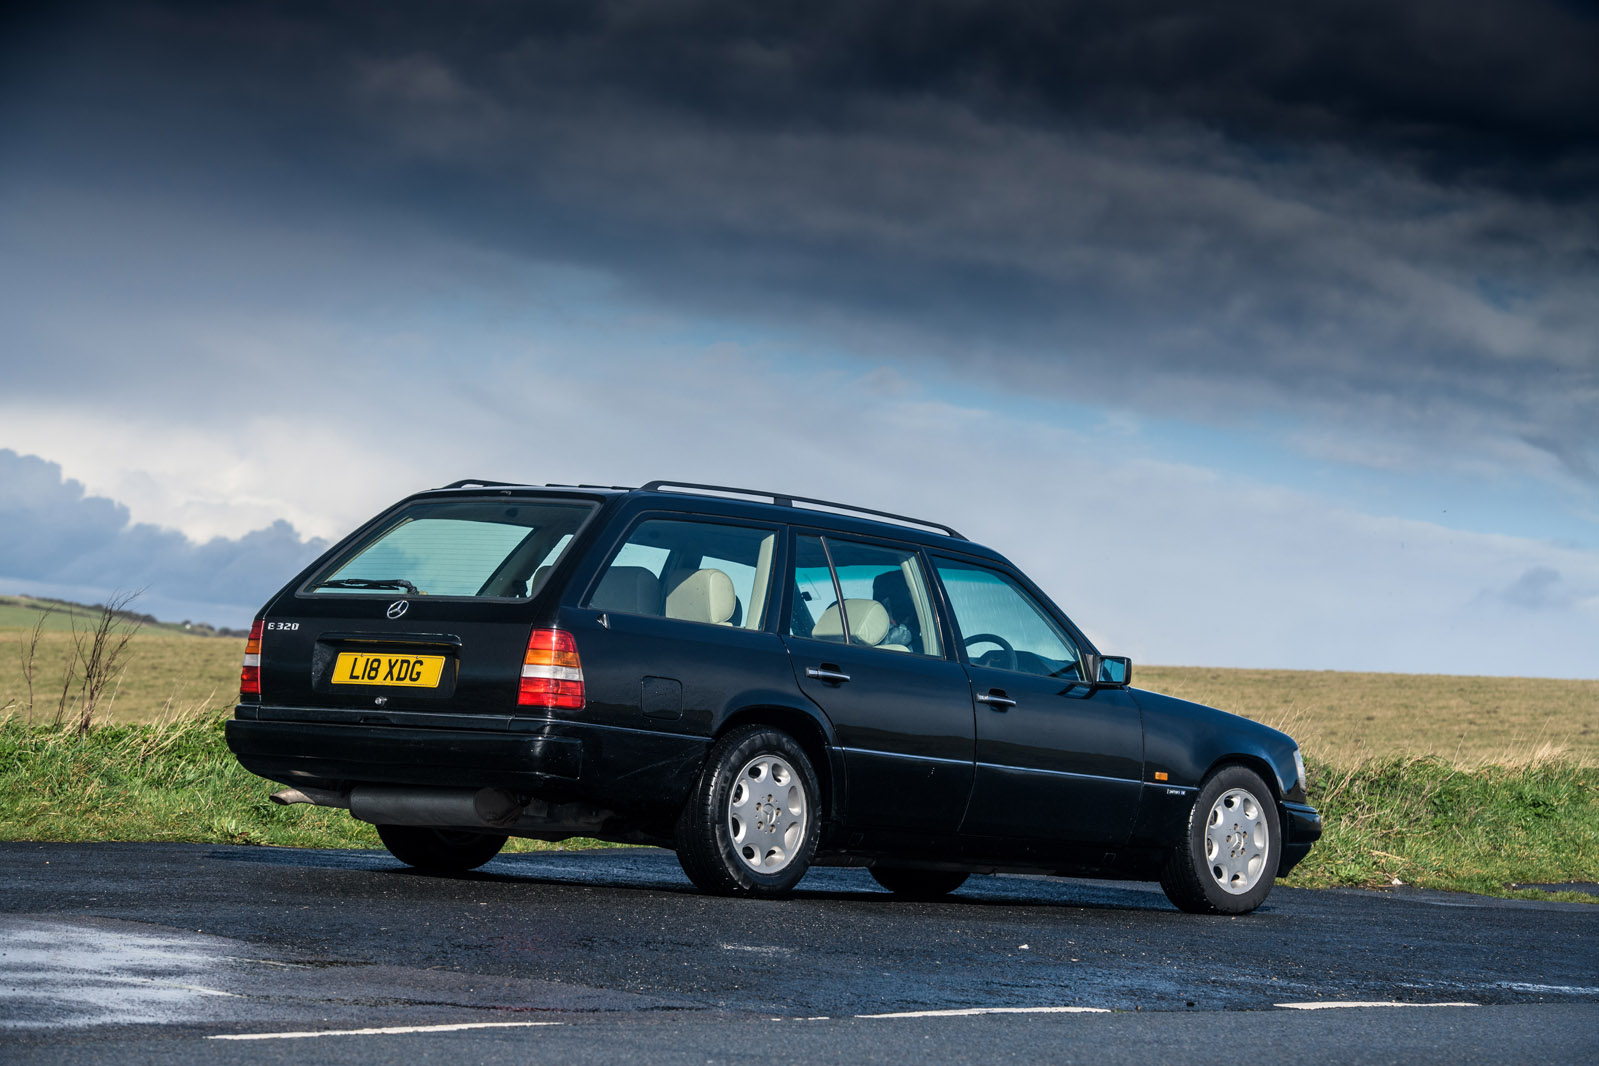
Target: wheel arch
column 1257, row 765
column 1263, row 770
column 813, row 737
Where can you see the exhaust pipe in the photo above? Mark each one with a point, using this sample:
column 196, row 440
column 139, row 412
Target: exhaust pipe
column 459, row 808
column 320, row 797
column 454, row 808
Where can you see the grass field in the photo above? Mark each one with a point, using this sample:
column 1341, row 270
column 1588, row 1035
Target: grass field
column 1447, row 782
column 21, row 612
column 1346, row 718
column 1340, row 718
column 161, row 672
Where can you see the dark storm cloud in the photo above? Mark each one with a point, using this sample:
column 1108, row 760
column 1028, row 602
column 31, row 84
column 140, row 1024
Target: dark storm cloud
column 50, row 531
column 1382, row 214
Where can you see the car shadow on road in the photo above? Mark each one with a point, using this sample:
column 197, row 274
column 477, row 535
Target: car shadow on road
column 656, row 871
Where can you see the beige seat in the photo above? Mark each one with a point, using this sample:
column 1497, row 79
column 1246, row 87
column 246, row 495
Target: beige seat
column 868, row 624
column 704, row 596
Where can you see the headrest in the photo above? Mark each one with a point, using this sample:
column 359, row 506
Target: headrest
column 704, row 596
column 891, row 587
column 868, row 622
column 632, row 589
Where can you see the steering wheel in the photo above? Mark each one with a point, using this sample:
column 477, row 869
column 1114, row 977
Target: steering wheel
column 1009, row 660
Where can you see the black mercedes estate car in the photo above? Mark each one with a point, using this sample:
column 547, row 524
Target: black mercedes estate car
column 760, row 682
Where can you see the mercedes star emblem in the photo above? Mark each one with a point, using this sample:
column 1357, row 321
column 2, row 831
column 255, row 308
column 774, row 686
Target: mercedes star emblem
column 397, row 608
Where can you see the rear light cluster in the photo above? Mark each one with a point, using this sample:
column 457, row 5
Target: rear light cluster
column 250, row 676
column 552, row 676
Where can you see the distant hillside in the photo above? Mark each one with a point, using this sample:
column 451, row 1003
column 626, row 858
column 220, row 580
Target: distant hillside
column 24, row 612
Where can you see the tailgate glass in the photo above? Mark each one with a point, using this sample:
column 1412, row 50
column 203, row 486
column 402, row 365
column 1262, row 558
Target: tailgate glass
column 500, row 549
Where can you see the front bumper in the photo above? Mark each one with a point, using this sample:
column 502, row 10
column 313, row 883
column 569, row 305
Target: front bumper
column 1301, row 829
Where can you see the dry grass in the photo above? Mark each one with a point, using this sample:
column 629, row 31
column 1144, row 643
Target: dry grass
column 1347, row 718
column 156, row 674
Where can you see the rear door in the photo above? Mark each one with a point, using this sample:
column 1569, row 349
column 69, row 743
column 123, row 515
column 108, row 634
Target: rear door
column 674, row 627
column 1057, row 759
column 868, row 648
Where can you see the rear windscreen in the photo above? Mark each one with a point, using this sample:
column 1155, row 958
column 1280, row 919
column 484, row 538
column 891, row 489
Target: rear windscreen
column 501, row 549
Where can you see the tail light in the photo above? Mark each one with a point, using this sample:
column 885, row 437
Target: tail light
column 552, row 675
column 250, row 676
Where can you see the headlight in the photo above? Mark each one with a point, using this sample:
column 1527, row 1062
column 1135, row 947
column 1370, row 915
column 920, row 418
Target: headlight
column 1299, row 765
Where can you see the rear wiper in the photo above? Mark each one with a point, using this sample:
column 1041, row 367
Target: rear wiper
column 369, row 583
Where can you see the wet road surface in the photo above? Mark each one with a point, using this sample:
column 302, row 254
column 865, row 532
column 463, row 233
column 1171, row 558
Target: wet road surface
column 154, row 952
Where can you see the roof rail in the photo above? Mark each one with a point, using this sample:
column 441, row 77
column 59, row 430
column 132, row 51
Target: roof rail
column 783, row 499
column 464, row 482
column 469, row 481
column 564, row 485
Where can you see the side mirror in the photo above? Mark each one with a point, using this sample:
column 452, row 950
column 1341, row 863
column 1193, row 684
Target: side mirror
column 1115, row 670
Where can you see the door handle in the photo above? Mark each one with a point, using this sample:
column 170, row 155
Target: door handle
column 830, row 675
column 997, row 700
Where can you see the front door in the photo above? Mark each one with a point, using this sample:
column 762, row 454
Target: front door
column 867, row 647
column 1057, row 759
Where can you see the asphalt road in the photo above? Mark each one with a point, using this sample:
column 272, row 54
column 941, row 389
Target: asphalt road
column 173, row 953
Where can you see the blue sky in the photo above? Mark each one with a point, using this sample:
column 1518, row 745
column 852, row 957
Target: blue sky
column 1256, row 346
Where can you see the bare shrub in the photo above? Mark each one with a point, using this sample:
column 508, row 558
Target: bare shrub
column 97, row 654
column 30, row 652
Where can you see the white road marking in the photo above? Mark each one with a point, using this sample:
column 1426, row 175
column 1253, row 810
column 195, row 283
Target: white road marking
column 389, row 1031
column 968, row 1012
column 759, row 949
column 1333, row 1004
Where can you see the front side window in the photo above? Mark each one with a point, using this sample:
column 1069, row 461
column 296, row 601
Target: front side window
column 690, row 570
column 1002, row 625
column 880, row 599
column 477, row 548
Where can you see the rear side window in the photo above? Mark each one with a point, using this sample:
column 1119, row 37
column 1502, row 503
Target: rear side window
column 499, row 549
column 884, row 601
column 690, row 570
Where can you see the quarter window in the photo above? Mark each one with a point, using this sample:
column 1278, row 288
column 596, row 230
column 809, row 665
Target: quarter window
column 1002, row 625
column 690, row 570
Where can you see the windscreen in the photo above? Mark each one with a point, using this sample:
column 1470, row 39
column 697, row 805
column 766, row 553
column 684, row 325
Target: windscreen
column 491, row 548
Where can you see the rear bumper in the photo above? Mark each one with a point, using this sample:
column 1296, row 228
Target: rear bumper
column 616, row 767
column 1301, row 829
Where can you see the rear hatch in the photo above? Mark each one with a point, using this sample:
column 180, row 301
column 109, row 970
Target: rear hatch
column 422, row 619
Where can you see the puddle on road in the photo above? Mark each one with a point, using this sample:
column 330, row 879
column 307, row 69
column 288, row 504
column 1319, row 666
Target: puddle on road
column 55, row 974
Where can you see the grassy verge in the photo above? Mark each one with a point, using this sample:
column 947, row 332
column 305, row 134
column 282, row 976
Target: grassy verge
column 170, row 780
column 1418, row 820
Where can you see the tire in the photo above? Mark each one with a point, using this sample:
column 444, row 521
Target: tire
column 909, row 883
column 750, row 827
column 440, row 850
column 1227, row 860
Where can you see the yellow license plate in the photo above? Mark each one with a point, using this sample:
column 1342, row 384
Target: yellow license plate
column 411, row 671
